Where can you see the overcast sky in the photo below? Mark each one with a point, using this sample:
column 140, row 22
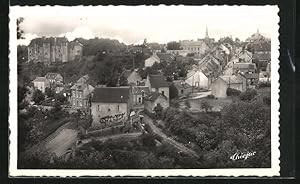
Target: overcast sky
column 156, row 23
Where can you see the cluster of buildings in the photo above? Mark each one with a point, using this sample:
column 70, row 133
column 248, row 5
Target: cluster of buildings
column 53, row 49
column 219, row 66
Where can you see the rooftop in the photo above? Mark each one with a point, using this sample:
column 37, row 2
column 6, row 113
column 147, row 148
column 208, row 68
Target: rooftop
column 40, row 79
column 111, row 95
column 158, row 81
column 153, row 96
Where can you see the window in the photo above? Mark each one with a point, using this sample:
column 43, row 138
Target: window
column 98, row 109
column 182, row 91
column 80, row 103
column 108, row 110
column 163, row 93
column 118, row 108
column 140, row 100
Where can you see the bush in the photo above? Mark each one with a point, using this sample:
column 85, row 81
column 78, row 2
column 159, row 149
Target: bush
column 211, row 96
column 233, row 92
column 248, row 95
column 264, row 84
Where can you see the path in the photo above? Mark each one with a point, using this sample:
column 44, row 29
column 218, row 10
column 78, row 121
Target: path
column 171, row 141
column 58, row 142
column 118, row 136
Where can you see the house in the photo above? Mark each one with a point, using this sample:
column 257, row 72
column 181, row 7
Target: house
column 153, row 99
column 138, row 94
column 196, row 47
column 245, row 57
column 197, row 78
column 182, row 88
column 210, row 65
column 81, row 93
column 158, row 83
column 54, row 78
column 262, row 57
column 132, row 77
column 244, row 67
column 251, row 79
column 59, row 88
column 151, row 60
column 111, row 103
column 83, row 79
column 41, row 83
column 220, row 85
column 166, row 57
column 182, row 53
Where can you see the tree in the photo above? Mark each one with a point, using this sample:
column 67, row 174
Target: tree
column 38, row 97
column 148, row 140
column 158, row 110
column 49, row 92
column 248, row 95
column 19, row 30
column 174, row 46
column 206, row 106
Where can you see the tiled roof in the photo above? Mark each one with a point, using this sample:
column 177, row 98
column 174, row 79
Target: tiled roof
column 127, row 73
column 232, row 79
column 262, row 56
column 153, row 96
column 262, row 47
column 40, row 79
column 140, row 89
column 244, row 65
column 165, row 57
column 251, row 76
column 111, row 95
column 84, row 79
column 81, row 86
column 179, row 84
column 158, row 81
column 51, row 75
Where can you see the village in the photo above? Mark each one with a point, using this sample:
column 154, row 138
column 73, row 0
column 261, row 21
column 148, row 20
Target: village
column 185, row 81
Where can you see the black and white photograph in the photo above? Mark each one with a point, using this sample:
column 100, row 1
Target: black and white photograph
column 144, row 90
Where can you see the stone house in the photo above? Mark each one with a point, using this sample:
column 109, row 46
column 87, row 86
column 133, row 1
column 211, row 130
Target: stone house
column 138, row 94
column 41, row 83
column 54, row 78
column 182, row 88
column 158, row 83
column 81, row 93
column 132, row 77
column 251, row 79
column 220, row 85
column 244, row 68
column 113, row 102
column 153, row 99
column 151, row 60
column 197, row 78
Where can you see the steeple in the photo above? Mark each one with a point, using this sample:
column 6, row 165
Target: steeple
column 257, row 31
column 206, row 33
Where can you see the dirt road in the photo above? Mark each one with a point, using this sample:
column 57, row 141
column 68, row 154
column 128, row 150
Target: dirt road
column 171, row 141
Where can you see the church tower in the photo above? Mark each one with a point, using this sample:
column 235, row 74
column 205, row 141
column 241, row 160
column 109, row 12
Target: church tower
column 206, row 33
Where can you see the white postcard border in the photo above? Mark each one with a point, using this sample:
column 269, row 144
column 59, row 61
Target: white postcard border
column 18, row 11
